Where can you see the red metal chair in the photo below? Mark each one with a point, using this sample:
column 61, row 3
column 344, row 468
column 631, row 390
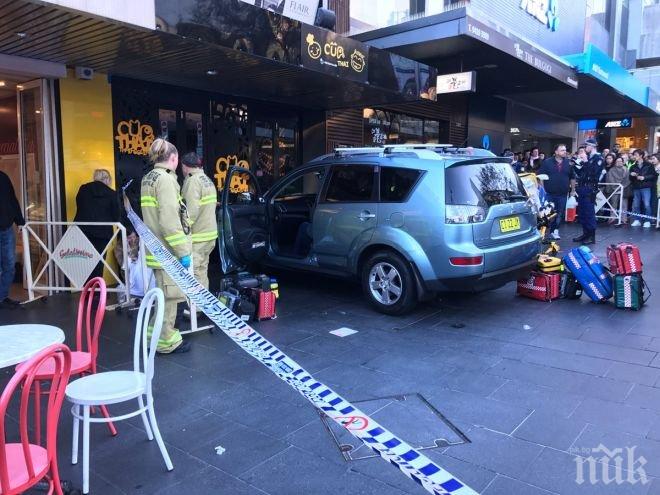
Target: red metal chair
column 83, row 359
column 25, row 464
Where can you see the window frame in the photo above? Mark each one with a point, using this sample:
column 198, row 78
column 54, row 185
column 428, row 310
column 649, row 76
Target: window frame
column 375, row 189
column 420, row 173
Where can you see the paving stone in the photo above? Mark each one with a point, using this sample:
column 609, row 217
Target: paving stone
column 644, row 375
column 605, row 351
column 645, row 397
column 502, row 485
column 594, row 436
column 611, row 415
column 558, row 471
column 567, row 361
column 537, row 397
column 479, row 411
column 275, row 476
column 497, row 452
column 550, row 430
column 212, row 481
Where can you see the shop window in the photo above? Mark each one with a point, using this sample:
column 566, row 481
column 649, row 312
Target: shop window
column 230, row 139
column 351, row 184
column 382, row 127
column 397, row 183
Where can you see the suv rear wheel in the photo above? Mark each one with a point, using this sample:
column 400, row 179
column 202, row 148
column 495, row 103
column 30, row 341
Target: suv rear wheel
column 388, row 283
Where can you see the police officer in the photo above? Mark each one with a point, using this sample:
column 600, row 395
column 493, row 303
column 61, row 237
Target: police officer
column 165, row 214
column 586, row 172
column 201, row 197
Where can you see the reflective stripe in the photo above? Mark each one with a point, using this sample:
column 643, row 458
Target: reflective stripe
column 174, row 237
column 152, row 261
column 178, row 242
column 207, row 200
column 205, row 236
column 148, row 201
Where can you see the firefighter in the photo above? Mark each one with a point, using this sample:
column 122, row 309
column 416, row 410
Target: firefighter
column 165, row 214
column 201, row 197
column 586, row 173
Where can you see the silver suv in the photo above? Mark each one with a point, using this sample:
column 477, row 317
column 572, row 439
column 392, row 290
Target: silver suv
column 408, row 221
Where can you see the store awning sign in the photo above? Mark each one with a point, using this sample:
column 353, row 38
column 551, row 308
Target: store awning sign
column 521, row 49
column 457, row 83
column 300, row 10
column 328, row 52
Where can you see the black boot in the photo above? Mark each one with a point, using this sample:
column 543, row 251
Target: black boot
column 582, row 237
column 590, row 239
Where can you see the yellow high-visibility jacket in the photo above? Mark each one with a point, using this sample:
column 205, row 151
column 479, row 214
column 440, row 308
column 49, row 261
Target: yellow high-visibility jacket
column 201, row 196
column 164, row 213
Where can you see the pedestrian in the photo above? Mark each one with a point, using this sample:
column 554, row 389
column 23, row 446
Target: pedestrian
column 534, row 160
column 517, row 165
column 655, row 161
column 643, row 179
column 557, row 185
column 165, row 214
column 201, row 197
column 584, row 185
column 96, row 201
column 10, row 214
column 617, row 175
column 541, row 157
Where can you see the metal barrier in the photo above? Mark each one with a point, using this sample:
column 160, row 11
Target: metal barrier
column 606, row 204
column 74, row 255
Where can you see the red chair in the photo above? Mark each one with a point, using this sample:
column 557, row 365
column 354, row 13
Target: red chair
column 83, row 362
column 25, row 464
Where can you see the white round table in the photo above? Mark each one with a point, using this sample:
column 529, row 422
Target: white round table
column 20, row 342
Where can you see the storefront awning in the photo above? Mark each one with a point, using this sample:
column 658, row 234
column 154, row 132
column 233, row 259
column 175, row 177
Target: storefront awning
column 231, row 48
column 606, row 91
column 463, row 40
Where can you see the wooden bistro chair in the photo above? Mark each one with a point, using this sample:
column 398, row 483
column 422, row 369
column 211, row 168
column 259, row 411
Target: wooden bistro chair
column 24, row 464
column 83, row 359
column 113, row 387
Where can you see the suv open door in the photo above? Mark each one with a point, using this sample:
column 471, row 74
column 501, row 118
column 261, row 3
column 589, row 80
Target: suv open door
column 243, row 230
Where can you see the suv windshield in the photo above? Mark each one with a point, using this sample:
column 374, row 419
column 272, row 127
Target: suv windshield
column 482, row 184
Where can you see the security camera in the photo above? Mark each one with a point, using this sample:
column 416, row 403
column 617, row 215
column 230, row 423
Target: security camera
column 86, row 73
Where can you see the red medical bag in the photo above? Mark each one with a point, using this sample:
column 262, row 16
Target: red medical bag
column 624, row 259
column 540, row 286
column 265, row 302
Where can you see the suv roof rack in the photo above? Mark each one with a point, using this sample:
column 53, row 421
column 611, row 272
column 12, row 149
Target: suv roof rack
column 430, row 151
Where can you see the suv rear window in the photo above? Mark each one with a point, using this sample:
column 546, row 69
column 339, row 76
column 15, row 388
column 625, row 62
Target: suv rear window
column 482, row 184
column 396, row 183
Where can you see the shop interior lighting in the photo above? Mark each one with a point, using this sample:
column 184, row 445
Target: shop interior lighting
column 2, row 84
column 211, row 72
column 21, row 34
column 19, row 86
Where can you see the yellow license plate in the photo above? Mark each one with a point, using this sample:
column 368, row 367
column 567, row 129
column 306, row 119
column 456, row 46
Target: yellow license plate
column 510, row 224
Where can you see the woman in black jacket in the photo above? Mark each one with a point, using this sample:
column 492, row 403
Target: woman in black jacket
column 96, row 201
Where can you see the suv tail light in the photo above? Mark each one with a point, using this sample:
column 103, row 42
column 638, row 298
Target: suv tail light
column 458, row 214
column 466, row 260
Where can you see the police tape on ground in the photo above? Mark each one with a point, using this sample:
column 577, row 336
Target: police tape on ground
column 412, row 463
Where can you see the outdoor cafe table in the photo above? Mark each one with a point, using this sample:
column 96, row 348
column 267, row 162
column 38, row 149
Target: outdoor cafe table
column 21, row 342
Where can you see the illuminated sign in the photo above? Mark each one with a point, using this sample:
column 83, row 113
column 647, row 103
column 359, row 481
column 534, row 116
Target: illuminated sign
column 623, row 122
column 544, row 11
column 515, row 130
column 456, row 83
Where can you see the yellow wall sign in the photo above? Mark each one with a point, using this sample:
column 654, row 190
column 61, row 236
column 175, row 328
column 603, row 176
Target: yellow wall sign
column 134, row 138
column 239, row 182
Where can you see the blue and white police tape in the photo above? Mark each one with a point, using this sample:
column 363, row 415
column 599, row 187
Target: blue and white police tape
column 413, row 464
column 630, row 214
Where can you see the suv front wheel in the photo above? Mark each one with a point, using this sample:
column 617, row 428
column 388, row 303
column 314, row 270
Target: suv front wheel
column 388, row 283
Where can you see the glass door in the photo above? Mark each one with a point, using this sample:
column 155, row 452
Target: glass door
column 276, row 149
column 40, row 178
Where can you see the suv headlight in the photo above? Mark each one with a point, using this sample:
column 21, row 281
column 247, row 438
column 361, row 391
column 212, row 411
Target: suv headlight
column 457, row 214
